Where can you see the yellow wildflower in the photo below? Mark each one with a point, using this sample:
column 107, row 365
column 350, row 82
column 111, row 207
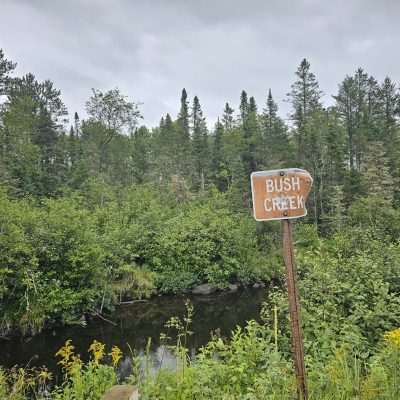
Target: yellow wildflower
column 44, row 375
column 66, row 352
column 116, row 355
column 97, row 350
column 75, row 365
column 393, row 337
column 69, row 361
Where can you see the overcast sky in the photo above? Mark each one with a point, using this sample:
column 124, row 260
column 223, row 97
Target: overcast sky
column 151, row 49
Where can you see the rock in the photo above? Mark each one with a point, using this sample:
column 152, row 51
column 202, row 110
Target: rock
column 204, row 289
column 259, row 285
column 121, row 392
column 233, row 287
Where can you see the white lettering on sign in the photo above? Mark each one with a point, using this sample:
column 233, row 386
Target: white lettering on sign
column 283, row 184
column 280, row 193
column 284, row 203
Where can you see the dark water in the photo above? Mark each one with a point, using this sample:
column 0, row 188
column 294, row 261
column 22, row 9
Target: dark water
column 136, row 323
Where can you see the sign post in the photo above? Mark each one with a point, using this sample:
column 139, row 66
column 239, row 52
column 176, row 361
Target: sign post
column 281, row 195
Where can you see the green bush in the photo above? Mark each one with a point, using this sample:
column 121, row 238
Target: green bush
column 205, row 243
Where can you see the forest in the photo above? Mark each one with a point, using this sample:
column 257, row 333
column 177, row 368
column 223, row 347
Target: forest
column 103, row 209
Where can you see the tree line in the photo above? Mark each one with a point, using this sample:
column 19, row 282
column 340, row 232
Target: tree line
column 351, row 148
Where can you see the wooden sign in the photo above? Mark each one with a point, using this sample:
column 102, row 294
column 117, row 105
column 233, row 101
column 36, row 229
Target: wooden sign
column 280, row 194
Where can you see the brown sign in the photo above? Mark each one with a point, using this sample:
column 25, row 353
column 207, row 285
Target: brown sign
column 280, row 194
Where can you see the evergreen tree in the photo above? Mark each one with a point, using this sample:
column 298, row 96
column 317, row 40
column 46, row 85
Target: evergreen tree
column 276, row 148
column 166, row 155
column 227, row 118
column 252, row 139
column 6, row 68
column 305, row 97
column 358, row 107
column 270, row 112
column 74, row 142
column 378, row 180
column 389, row 111
column 335, row 214
column 43, row 94
column 346, row 105
column 53, row 154
column 77, row 124
column 199, row 144
column 335, row 149
column 314, row 160
column 218, row 167
column 183, row 136
column 389, row 98
column 141, row 154
column 243, row 107
column 21, row 158
column 32, row 117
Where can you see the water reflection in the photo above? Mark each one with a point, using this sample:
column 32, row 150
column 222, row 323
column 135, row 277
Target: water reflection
column 135, row 324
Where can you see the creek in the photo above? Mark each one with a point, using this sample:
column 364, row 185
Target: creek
column 134, row 324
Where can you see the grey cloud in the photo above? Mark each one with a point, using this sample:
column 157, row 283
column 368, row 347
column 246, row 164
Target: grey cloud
column 151, row 49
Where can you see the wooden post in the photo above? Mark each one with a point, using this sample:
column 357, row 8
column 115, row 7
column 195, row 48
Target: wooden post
column 281, row 194
column 294, row 309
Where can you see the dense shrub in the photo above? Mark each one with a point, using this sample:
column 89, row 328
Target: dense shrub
column 350, row 290
column 205, row 243
column 61, row 258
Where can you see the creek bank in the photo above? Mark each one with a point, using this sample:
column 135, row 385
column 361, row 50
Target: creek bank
column 86, row 319
column 204, row 289
column 135, row 323
column 207, row 289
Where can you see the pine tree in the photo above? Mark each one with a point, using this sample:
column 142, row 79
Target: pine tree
column 219, row 171
column 77, row 125
column 21, row 158
column 243, row 108
column 376, row 173
column 43, row 95
column 345, row 104
column 6, row 68
column 54, row 153
column 389, row 98
column 199, row 145
column 252, row 139
column 183, row 136
column 270, row 112
column 335, row 214
column 141, row 154
column 252, row 105
column 335, row 148
column 276, row 149
column 357, row 105
column 36, row 110
column 389, row 110
column 166, row 161
column 71, row 144
column 314, row 160
column 227, row 118
column 305, row 97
